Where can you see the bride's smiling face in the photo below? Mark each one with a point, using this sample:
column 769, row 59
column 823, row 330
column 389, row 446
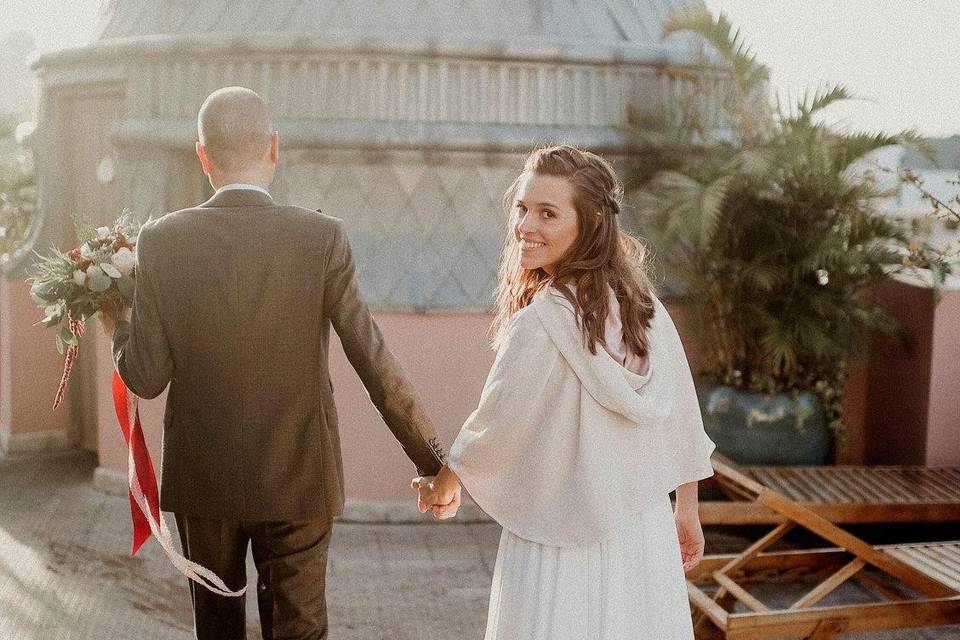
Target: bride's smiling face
column 544, row 220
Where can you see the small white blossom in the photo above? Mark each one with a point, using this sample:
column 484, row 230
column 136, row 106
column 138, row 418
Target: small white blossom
column 80, row 278
column 823, row 277
column 103, row 232
column 93, row 271
column 124, row 260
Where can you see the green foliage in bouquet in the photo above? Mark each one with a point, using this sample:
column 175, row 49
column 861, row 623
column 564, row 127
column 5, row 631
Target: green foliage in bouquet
column 756, row 209
column 18, row 191
column 73, row 285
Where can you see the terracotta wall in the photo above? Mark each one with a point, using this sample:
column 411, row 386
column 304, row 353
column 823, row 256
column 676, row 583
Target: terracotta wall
column 912, row 407
column 30, row 371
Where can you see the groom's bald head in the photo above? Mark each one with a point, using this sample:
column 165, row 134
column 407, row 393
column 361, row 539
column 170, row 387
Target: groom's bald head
column 234, row 127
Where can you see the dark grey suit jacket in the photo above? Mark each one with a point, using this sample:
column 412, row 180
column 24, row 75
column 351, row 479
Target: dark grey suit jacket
column 233, row 308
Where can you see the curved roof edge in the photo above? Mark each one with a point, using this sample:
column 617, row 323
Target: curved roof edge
column 537, row 51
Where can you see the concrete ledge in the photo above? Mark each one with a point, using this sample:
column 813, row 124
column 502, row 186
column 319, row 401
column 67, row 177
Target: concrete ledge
column 12, row 444
column 392, row 136
column 113, row 482
column 405, row 512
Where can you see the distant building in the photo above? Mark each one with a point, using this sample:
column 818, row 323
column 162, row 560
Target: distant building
column 940, row 173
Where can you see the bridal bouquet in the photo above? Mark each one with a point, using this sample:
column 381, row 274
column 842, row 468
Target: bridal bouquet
column 71, row 287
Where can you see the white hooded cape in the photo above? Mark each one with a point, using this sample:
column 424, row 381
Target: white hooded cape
column 565, row 445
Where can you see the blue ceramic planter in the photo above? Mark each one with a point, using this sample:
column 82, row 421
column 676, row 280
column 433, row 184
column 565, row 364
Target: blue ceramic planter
column 759, row 428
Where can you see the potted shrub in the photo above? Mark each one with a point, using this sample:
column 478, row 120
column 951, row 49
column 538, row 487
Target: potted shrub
column 756, row 212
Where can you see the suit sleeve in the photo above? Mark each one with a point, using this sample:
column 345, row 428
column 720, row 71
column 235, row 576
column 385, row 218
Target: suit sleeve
column 381, row 374
column 141, row 351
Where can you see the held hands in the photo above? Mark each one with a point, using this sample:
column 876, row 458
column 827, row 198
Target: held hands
column 440, row 493
column 690, row 535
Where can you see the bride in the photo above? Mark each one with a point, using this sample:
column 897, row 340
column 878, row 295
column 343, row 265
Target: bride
column 587, row 420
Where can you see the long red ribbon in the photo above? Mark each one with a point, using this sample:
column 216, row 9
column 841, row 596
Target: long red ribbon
column 133, row 435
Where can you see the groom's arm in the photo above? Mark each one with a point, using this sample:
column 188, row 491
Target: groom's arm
column 389, row 389
column 141, row 352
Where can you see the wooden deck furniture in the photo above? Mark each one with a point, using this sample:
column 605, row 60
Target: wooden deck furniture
column 916, row 585
column 843, row 494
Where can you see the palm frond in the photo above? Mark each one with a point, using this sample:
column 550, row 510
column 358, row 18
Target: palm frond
column 720, row 34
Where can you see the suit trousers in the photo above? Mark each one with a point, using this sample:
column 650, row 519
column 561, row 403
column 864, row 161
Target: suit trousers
column 291, row 561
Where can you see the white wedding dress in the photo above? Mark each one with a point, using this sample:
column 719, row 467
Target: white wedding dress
column 625, row 583
column 627, row 587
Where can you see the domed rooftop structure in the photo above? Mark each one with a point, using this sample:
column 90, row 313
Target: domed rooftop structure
column 406, row 118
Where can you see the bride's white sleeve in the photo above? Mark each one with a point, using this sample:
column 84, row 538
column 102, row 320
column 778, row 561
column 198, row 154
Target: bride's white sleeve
column 493, row 447
column 687, row 448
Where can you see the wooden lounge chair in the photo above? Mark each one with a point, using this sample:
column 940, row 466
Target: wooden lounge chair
column 843, row 494
column 918, row 585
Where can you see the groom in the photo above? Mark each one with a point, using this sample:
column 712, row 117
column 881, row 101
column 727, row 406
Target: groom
column 233, row 308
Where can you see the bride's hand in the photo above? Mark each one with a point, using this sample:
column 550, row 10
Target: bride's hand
column 690, row 535
column 440, row 493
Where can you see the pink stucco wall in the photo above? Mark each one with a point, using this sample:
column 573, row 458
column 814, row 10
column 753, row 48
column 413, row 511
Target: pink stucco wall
column 912, row 407
column 901, row 408
column 943, row 420
column 30, row 369
column 446, row 357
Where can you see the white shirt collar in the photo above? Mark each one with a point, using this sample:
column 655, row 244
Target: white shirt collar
column 241, row 185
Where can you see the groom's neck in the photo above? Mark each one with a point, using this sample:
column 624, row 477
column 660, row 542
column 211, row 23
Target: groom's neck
column 217, row 181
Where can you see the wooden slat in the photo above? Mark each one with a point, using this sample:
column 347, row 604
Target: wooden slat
column 917, row 559
column 703, row 602
column 948, row 480
column 717, row 512
column 826, row 587
column 949, row 562
column 829, row 491
column 891, row 593
column 729, row 470
column 841, row 479
column 829, row 531
column 792, row 562
column 750, row 552
column 853, row 483
column 864, row 617
column 739, row 592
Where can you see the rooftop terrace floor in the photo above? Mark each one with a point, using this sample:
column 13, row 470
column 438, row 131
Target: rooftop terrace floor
column 66, row 572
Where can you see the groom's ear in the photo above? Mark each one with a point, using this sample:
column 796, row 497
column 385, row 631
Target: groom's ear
column 204, row 159
column 275, row 147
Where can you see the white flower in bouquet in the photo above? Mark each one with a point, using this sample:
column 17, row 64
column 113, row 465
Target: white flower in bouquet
column 97, row 280
column 124, row 260
column 80, row 277
column 103, row 232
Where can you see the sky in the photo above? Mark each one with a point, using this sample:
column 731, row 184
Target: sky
column 901, row 57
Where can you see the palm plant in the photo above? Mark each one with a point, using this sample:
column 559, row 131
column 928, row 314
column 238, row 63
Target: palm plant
column 757, row 211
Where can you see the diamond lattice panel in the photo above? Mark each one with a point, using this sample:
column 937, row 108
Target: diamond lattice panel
column 426, row 230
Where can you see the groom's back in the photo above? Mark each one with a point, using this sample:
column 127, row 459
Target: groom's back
column 240, row 286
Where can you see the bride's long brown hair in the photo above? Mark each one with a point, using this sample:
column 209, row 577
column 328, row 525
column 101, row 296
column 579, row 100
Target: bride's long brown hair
column 601, row 255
